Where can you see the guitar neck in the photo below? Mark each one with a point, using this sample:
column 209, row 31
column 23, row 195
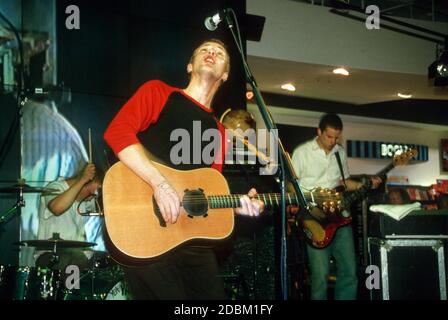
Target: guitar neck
column 269, row 199
column 386, row 170
column 353, row 196
column 356, row 195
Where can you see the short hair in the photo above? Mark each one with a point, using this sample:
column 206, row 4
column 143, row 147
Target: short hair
column 330, row 120
column 214, row 41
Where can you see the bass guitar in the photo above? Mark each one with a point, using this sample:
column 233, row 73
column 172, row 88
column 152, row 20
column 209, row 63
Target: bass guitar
column 322, row 221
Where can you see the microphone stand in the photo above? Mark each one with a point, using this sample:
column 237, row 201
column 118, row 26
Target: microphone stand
column 285, row 168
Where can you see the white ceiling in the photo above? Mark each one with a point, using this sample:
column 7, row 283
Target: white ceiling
column 318, row 82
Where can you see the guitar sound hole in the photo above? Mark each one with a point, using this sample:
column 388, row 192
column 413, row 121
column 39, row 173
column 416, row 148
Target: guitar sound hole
column 195, row 203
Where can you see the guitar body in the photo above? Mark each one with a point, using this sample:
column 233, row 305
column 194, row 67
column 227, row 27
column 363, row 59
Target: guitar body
column 320, row 224
column 320, row 233
column 133, row 227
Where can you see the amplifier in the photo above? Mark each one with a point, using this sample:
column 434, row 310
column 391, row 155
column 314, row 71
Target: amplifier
column 409, row 269
column 423, row 222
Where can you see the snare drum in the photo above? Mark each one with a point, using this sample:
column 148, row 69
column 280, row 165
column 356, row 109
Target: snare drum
column 28, row 283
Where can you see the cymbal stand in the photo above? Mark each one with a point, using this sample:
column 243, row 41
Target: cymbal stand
column 7, row 215
column 54, row 256
column 92, row 282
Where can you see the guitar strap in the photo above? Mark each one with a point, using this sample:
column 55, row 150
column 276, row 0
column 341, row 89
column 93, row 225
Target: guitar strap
column 338, row 158
column 344, row 213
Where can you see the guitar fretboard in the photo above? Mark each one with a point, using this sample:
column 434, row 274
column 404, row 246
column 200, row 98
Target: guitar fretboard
column 269, row 199
column 356, row 195
column 233, row 200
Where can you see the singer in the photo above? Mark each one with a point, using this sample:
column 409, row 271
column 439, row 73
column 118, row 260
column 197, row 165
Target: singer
column 154, row 111
column 58, row 214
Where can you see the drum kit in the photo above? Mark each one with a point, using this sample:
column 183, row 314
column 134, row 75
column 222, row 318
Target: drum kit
column 102, row 280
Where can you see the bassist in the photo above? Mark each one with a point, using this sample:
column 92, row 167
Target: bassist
column 316, row 165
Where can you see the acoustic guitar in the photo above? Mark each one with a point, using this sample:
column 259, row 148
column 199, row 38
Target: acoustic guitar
column 137, row 230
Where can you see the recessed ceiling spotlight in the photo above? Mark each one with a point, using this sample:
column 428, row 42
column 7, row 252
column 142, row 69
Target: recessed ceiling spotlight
column 404, row 95
column 341, row 71
column 249, row 95
column 288, row 86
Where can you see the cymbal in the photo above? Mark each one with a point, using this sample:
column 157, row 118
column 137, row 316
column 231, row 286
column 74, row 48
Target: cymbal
column 27, row 189
column 51, row 243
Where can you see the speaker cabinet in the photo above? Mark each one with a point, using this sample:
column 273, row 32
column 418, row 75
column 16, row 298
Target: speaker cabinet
column 409, row 268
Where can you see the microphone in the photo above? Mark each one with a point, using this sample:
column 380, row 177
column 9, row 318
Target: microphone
column 211, row 23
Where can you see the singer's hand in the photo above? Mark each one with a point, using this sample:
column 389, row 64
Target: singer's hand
column 249, row 205
column 168, row 201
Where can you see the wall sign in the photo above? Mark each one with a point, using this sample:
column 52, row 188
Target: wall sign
column 383, row 150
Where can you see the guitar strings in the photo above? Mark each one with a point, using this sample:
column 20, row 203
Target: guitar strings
column 260, row 198
column 232, row 198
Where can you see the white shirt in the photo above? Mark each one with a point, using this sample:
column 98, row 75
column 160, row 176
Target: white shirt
column 315, row 168
column 70, row 225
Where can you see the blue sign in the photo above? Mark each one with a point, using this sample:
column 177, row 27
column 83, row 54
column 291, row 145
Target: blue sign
column 383, row 150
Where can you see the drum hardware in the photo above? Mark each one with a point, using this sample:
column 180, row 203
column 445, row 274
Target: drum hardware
column 55, row 243
column 28, row 283
column 103, row 280
column 100, row 282
column 21, row 187
column 37, row 283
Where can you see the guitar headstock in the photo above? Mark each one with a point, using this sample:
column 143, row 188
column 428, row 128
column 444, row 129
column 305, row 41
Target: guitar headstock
column 329, row 201
column 403, row 158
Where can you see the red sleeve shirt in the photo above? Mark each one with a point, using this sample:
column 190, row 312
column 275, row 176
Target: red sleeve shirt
column 141, row 110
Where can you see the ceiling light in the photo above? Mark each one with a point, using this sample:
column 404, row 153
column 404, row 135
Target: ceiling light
column 341, row 71
column 288, row 86
column 249, row 95
column 404, row 95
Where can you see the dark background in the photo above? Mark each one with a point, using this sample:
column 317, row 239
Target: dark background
column 119, row 46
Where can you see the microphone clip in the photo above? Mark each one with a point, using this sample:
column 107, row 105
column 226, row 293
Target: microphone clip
column 211, row 22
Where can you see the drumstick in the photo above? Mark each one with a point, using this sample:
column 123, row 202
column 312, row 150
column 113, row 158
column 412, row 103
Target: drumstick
column 90, row 146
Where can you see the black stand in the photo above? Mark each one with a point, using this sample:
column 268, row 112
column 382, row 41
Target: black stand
column 285, row 168
column 7, row 215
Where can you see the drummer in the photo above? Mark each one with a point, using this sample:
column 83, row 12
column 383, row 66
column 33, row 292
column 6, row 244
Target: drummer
column 60, row 213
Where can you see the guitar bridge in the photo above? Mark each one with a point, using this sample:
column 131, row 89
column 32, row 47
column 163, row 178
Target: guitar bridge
column 158, row 213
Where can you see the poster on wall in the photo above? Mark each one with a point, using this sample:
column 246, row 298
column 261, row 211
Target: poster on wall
column 445, row 154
